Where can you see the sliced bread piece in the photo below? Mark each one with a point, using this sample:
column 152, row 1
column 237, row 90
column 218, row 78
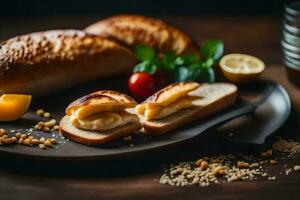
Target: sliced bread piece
column 212, row 98
column 95, row 137
column 99, row 117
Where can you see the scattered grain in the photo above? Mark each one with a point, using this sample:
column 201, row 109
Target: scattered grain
column 46, row 115
column 47, row 143
column 46, row 129
column 23, row 136
column 18, row 135
column 288, row 146
column 53, row 141
column 204, row 165
column 297, row 168
column 56, row 128
column 40, row 112
column 273, row 162
column 42, row 140
column 2, row 132
column 35, row 141
column 27, row 142
column 241, row 164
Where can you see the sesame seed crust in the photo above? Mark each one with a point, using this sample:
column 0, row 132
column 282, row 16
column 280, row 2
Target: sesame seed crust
column 54, row 45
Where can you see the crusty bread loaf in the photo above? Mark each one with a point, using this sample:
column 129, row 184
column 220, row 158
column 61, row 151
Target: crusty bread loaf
column 214, row 97
column 43, row 62
column 95, row 137
column 135, row 29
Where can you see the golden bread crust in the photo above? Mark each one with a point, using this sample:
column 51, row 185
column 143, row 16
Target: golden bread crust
column 106, row 97
column 136, row 29
column 55, row 45
column 44, row 62
column 165, row 94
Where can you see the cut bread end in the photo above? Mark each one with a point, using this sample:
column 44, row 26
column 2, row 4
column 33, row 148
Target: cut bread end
column 68, row 130
column 185, row 116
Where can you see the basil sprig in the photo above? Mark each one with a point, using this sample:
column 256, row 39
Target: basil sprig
column 148, row 59
column 181, row 68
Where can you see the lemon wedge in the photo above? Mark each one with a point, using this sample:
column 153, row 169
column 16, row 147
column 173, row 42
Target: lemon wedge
column 13, row 106
column 241, row 68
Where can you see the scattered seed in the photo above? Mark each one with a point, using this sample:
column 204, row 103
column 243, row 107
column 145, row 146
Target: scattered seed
column 14, row 139
column 51, row 123
column 56, row 128
column 297, row 168
column 47, row 143
column 198, row 162
column 2, row 132
column 42, row 140
column 23, row 136
column 18, row 135
column 241, row 164
column 204, row 165
column 40, row 112
column 273, row 162
column 53, row 141
column 46, row 129
column 27, row 142
column 34, row 141
column 46, row 115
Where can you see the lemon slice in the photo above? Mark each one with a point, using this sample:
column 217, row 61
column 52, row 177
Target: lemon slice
column 13, row 106
column 241, row 68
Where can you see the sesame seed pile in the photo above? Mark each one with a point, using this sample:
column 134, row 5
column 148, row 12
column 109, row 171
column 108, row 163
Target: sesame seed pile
column 27, row 139
column 227, row 168
column 215, row 169
column 288, row 146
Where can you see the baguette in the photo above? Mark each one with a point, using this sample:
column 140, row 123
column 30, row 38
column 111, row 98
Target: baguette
column 132, row 30
column 99, row 117
column 213, row 98
column 44, row 62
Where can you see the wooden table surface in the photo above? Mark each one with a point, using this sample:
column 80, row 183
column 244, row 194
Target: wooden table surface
column 138, row 178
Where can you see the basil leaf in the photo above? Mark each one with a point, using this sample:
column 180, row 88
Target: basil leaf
column 145, row 66
column 208, row 63
column 200, row 73
column 210, row 75
column 144, row 53
column 190, row 59
column 141, row 67
column 167, row 61
column 194, row 71
column 151, row 69
column 212, row 49
column 179, row 61
column 181, row 74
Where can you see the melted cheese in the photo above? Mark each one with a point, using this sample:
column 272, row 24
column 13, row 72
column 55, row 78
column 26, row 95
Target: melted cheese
column 103, row 121
column 89, row 110
column 199, row 97
column 160, row 111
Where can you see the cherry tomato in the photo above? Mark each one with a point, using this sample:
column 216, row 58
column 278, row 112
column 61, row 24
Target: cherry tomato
column 141, row 84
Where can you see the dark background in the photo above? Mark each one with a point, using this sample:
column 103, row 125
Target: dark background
column 27, row 8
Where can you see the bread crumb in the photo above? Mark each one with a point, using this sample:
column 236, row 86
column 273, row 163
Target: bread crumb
column 297, row 168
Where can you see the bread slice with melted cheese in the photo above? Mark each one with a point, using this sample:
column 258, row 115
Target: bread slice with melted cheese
column 182, row 103
column 99, row 117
